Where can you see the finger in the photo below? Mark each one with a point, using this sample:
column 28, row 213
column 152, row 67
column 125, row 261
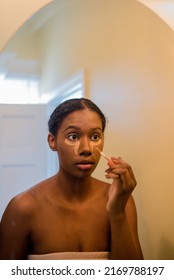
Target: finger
column 128, row 181
column 110, row 162
column 112, row 176
column 126, row 165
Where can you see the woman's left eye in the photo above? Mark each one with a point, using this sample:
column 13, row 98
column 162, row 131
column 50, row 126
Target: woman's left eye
column 95, row 137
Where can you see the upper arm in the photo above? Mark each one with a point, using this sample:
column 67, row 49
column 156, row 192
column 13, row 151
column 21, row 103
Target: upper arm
column 131, row 214
column 15, row 230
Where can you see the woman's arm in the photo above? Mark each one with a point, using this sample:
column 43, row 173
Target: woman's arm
column 122, row 212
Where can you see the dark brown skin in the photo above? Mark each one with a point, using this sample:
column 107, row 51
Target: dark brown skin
column 72, row 211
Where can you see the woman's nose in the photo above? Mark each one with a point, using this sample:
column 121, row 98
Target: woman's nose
column 85, row 146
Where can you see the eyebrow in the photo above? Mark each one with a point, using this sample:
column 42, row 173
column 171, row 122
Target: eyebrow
column 77, row 128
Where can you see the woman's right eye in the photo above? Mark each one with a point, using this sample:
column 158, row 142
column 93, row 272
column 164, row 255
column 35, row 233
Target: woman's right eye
column 73, row 137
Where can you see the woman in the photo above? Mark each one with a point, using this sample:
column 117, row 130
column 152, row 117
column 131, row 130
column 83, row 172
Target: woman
column 73, row 215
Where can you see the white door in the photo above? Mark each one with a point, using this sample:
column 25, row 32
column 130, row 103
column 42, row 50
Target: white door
column 23, row 149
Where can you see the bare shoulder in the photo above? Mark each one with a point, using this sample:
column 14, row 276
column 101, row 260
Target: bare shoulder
column 25, row 203
column 101, row 184
column 21, row 205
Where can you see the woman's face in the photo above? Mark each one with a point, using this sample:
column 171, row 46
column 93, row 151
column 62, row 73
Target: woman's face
column 77, row 141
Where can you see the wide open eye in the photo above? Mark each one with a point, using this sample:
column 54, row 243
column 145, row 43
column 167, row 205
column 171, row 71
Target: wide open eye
column 95, row 137
column 73, row 137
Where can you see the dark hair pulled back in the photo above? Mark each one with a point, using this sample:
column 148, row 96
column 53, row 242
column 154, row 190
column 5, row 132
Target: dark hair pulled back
column 69, row 106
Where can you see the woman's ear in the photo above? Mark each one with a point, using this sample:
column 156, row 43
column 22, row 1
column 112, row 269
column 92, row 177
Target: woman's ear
column 52, row 142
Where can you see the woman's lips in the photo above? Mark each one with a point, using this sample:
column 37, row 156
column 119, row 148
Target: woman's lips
column 85, row 165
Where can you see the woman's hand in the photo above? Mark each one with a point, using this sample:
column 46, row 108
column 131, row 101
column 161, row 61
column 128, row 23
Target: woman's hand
column 122, row 186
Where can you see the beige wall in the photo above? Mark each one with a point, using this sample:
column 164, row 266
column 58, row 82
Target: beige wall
column 13, row 15
column 128, row 54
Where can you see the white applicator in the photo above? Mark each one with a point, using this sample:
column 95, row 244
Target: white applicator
column 102, row 154
column 110, row 162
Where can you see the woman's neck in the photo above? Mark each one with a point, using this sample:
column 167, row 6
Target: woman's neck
column 74, row 188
